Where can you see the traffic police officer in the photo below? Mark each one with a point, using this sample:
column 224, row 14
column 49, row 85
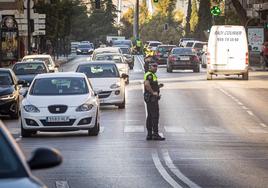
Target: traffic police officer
column 151, row 97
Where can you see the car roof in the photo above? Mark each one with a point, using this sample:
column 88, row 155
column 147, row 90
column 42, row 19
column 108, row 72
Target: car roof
column 166, row 45
column 103, row 54
column 107, row 49
column 121, row 46
column 37, row 56
column 98, row 62
column 5, row 69
column 25, row 62
column 60, row 74
column 154, row 41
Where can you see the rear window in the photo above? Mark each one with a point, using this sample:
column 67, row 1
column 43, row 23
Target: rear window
column 99, row 70
column 59, row 86
column 154, row 44
column 165, row 48
column 115, row 58
column 85, row 46
column 183, row 51
column 29, row 68
column 199, row 45
column 46, row 60
column 125, row 50
column 189, row 44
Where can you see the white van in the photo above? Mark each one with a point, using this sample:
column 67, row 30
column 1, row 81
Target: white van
column 227, row 51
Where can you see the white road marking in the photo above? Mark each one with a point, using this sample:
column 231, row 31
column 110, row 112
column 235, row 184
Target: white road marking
column 163, row 171
column 176, row 171
column 214, row 130
column 62, row 184
column 101, row 129
column 18, row 139
column 134, row 129
column 263, row 125
column 240, row 103
column 250, row 113
column 174, row 129
column 256, row 130
column 245, row 108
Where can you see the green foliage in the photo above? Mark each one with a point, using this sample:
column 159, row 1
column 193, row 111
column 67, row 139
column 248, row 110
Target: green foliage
column 127, row 23
column 194, row 16
column 154, row 30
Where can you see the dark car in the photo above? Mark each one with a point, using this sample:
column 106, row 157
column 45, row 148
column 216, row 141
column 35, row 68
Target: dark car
column 28, row 70
column 9, row 93
column 85, row 48
column 126, row 51
column 183, row 58
column 15, row 171
column 162, row 52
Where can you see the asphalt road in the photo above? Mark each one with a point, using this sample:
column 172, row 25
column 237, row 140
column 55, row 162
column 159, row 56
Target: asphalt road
column 216, row 136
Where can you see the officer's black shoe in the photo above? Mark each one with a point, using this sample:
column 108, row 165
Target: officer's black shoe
column 149, row 137
column 158, row 137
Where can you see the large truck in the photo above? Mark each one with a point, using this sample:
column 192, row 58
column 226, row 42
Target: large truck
column 110, row 38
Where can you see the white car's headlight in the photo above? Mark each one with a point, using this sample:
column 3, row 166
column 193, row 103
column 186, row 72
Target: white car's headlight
column 89, row 50
column 8, row 97
column 31, row 108
column 114, row 86
column 78, row 50
column 84, row 107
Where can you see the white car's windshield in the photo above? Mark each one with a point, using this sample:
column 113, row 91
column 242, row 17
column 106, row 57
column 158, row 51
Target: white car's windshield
column 99, row 70
column 59, row 86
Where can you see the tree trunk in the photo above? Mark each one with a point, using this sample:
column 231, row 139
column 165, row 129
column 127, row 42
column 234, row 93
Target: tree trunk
column 241, row 12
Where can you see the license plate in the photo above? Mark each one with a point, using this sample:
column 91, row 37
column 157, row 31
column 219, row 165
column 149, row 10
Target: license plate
column 184, row 58
column 58, row 119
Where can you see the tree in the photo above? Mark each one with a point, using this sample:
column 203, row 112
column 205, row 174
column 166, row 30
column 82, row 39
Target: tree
column 205, row 19
column 127, row 22
column 188, row 17
column 194, row 16
column 241, row 12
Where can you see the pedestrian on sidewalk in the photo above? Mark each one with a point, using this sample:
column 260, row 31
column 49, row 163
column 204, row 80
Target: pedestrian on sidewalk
column 264, row 55
column 151, row 97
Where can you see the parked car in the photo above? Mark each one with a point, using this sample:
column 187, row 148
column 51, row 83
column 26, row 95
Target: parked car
column 123, row 42
column 162, row 52
column 52, row 66
column 183, row 41
column 9, row 93
column 60, row 102
column 84, row 49
column 106, row 81
column 127, row 54
column 15, row 170
column 28, row 70
column 183, row 58
column 118, row 59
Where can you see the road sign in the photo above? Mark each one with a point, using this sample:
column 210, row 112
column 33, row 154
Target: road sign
column 39, row 32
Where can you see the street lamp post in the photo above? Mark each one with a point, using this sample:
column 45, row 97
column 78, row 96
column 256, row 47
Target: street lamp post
column 136, row 20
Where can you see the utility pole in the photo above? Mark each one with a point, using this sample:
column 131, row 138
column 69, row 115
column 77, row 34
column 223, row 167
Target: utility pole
column 136, row 20
column 29, row 26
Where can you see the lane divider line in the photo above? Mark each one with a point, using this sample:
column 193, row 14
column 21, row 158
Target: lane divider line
column 250, row 112
column 163, row 171
column 176, row 171
column 263, row 125
column 62, row 184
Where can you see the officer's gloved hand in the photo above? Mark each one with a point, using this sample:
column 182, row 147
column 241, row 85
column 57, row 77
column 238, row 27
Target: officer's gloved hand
column 161, row 85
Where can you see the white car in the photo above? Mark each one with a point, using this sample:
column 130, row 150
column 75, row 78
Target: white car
column 106, row 81
column 119, row 59
column 40, row 57
column 60, row 102
column 106, row 50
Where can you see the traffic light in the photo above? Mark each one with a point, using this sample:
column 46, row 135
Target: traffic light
column 215, row 11
column 97, row 4
column 266, row 25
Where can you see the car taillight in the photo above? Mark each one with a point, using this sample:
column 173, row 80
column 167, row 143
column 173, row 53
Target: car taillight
column 208, row 58
column 172, row 58
column 247, row 58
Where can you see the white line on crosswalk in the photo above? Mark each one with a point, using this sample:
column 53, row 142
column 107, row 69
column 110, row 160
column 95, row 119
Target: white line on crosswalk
column 174, row 129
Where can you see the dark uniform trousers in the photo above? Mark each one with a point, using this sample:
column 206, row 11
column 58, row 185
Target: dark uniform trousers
column 152, row 117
